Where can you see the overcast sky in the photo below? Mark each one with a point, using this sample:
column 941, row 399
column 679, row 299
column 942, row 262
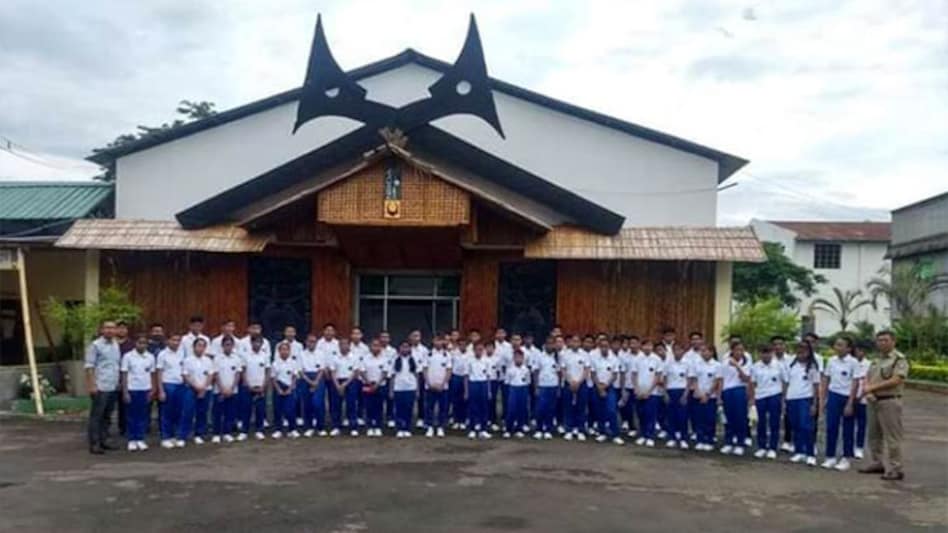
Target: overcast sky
column 842, row 107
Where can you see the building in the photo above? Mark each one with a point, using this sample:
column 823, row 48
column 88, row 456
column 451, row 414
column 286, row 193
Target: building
column 415, row 193
column 920, row 239
column 847, row 254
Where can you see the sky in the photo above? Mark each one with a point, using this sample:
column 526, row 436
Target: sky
column 841, row 106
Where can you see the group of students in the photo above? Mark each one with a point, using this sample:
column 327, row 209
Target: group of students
column 598, row 386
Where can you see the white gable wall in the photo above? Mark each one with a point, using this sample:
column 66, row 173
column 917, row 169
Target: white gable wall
column 648, row 183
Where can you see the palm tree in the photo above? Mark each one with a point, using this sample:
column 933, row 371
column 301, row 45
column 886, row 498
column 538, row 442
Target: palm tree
column 905, row 287
column 847, row 303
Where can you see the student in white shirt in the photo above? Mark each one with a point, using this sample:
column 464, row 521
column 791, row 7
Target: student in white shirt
column 360, row 350
column 296, row 355
column 768, row 378
column 606, row 371
column 374, row 377
column 198, row 373
column 859, row 352
column 503, row 357
column 459, row 370
column 661, row 411
column 169, row 365
column 517, row 384
column 706, row 387
column 692, row 356
column 437, row 373
column 227, row 368
column 228, row 329
column 675, row 383
column 137, row 371
column 195, row 332
column 590, row 415
column 735, row 377
column 627, row 406
column 803, row 394
column 477, row 391
column 782, row 357
column 420, row 353
column 389, row 353
column 647, row 377
column 575, row 364
column 254, row 329
column 345, row 391
column 841, row 377
column 405, row 371
column 253, row 390
column 284, row 372
column 530, row 354
column 496, row 379
column 546, row 377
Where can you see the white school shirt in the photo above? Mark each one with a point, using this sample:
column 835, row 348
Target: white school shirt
column 375, row 368
column 255, row 367
column 732, row 378
column 574, row 362
column 530, row 356
column 692, row 356
column 170, row 363
column 216, row 347
column 861, row 375
column 605, row 368
column 517, row 376
column 187, row 343
column 296, row 354
column 419, row 353
column 459, row 362
column 226, row 367
column 344, row 366
column 628, row 365
column 245, row 346
column 547, row 370
column 591, row 357
column 706, row 373
column 647, row 366
column 312, row 361
column 841, row 372
column 139, row 368
column 283, row 370
column 404, row 379
column 437, row 366
column 360, row 351
column 480, row 369
column 620, row 370
column 676, row 373
column 503, row 352
column 199, row 369
column 495, row 373
column 800, row 382
column 328, row 349
column 768, row 378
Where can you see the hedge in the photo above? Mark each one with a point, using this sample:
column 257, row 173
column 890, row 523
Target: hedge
column 929, row 373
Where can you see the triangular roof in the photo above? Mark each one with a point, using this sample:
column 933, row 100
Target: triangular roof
column 728, row 164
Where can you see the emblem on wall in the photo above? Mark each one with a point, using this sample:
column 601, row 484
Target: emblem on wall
column 463, row 88
column 392, row 206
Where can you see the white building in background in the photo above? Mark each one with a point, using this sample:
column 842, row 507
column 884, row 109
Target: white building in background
column 847, row 254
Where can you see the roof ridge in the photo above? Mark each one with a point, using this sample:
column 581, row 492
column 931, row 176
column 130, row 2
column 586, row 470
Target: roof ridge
column 42, row 183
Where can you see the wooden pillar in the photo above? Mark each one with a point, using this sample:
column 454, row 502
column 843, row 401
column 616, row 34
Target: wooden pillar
column 28, row 330
column 722, row 299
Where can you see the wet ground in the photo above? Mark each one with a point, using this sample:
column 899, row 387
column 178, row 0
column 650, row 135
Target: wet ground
column 48, row 482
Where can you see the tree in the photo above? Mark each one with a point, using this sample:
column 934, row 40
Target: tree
column 906, row 287
column 757, row 321
column 844, row 306
column 777, row 277
column 81, row 322
column 187, row 110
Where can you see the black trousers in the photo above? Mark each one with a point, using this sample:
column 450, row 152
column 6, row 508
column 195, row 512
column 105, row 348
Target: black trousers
column 100, row 416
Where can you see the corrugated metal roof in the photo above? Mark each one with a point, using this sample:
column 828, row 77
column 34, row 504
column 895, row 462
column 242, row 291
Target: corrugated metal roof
column 50, row 200
column 112, row 234
column 650, row 243
column 838, row 231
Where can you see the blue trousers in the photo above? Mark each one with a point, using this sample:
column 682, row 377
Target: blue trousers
column 628, row 410
column 835, row 406
column 661, row 415
column 348, row 397
column 314, row 402
column 373, row 407
column 478, row 401
column 532, row 403
column 458, row 405
column 421, row 395
column 284, row 408
column 574, row 408
column 436, row 401
column 492, row 407
column 735, row 411
column 860, row 425
column 677, row 415
column 404, row 405
column 768, row 421
column 802, row 424
column 172, row 409
column 360, row 400
column 225, row 411
column 592, row 407
column 647, row 411
column 136, row 414
column 389, row 404
column 546, row 406
column 516, row 407
column 607, row 412
column 250, row 404
column 706, row 418
column 194, row 414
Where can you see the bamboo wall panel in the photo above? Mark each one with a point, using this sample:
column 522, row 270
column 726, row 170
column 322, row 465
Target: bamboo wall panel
column 425, row 200
column 480, row 277
column 400, row 248
column 172, row 286
column 332, row 289
column 640, row 297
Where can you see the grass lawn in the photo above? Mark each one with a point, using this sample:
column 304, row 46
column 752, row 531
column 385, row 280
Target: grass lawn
column 54, row 404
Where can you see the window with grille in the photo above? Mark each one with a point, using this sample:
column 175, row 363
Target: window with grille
column 826, row 255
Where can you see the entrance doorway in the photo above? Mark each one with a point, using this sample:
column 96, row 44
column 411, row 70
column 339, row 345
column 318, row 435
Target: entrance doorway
column 401, row 302
column 527, row 299
column 280, row 295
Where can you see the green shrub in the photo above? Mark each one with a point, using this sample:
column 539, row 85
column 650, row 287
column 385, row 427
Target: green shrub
column 756, row 322
column 80, row 322
column 929, row 373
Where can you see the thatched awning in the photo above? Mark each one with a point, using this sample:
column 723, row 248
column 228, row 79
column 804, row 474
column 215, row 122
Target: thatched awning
column 112, row 234
column 650, row 243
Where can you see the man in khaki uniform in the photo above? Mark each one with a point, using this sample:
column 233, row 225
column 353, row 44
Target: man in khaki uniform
column 883, row 391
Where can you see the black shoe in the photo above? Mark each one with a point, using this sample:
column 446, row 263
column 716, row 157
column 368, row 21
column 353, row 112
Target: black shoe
column 96, row 450
column 893, row 476
column 109, row 446
column 872, row 469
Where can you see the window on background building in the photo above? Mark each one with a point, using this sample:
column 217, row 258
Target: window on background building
column 401, row 303
column 826, row 255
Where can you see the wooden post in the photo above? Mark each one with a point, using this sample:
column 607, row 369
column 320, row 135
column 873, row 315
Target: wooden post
column 28, row 331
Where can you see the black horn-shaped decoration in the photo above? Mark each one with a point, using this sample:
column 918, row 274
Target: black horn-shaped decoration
column 463, row 89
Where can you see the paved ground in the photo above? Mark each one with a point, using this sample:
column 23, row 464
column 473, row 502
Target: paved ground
column 48, row 482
